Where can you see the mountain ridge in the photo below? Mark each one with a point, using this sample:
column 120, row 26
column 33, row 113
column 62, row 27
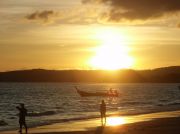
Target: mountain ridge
column 158, row 75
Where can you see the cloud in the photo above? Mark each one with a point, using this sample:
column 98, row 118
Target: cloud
column 137, row 9
column 45, row 16
column 136, row 12
column 83, row 15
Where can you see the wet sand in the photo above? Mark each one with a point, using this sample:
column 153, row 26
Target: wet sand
column 155, row 123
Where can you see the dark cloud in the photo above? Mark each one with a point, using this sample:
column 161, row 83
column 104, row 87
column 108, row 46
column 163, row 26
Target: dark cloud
column 44, row 16
column 137, row 9
column 86, row 15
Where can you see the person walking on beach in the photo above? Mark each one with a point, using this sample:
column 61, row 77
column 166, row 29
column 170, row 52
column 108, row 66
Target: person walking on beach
column 22, row 117
column 103, row 112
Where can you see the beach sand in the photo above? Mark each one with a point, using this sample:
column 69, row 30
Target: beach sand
column 155, row 123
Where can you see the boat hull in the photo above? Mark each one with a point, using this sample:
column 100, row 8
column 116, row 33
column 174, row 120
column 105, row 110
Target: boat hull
column 87, row 94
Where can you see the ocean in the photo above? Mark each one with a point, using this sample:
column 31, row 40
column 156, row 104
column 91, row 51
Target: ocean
column 59, row 102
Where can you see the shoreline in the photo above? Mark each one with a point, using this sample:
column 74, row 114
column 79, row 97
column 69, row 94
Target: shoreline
column 90, row 125
column 111, row 114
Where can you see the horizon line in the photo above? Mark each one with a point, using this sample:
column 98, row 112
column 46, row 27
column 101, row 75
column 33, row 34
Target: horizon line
column 78, row 69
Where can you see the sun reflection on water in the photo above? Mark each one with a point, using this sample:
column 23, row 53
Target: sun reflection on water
column 115, row 121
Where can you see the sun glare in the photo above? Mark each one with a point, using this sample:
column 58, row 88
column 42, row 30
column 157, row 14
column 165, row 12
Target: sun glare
column 112, row 54
column 115, row 121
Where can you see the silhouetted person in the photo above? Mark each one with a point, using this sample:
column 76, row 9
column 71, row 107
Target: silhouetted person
column 110, row 91
column 103, row 112
column 22, row 117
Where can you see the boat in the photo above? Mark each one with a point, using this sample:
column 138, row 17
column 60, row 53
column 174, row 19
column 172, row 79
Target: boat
column 90, row 94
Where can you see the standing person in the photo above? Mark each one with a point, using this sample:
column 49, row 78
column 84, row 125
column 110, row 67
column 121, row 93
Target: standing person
column 103, row 112
column 110, row 91
column 22, row 117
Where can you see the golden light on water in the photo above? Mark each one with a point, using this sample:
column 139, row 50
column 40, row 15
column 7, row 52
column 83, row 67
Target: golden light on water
column 115, row 121
column 112, row 54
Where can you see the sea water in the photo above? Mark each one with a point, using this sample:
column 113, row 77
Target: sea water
column 59, row 102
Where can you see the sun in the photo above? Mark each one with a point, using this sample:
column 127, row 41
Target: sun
column 112, row 54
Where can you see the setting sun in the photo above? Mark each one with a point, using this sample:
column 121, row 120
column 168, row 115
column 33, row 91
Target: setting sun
column 112, row 54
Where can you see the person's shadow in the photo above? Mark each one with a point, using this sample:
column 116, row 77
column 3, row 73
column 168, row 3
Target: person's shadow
column 100, row 130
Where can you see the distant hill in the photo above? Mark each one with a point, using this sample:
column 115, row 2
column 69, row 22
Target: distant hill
column 159, row 75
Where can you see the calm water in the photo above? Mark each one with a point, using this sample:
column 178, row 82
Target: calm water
column 59, row 102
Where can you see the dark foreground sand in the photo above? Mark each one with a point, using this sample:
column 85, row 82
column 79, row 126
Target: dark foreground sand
column 170, row 125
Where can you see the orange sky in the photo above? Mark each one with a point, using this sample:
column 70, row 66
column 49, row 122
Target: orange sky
column 89, row 34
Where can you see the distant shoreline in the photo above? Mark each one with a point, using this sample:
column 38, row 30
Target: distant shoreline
column 159, row 75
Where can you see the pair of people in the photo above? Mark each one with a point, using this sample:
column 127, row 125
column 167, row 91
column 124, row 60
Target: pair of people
column 111, row 91
column 23, row 113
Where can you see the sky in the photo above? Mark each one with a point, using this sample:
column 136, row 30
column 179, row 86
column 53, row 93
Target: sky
column 89, row 34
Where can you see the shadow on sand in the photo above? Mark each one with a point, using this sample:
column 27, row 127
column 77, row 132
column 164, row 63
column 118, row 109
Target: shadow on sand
column 99, row 130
